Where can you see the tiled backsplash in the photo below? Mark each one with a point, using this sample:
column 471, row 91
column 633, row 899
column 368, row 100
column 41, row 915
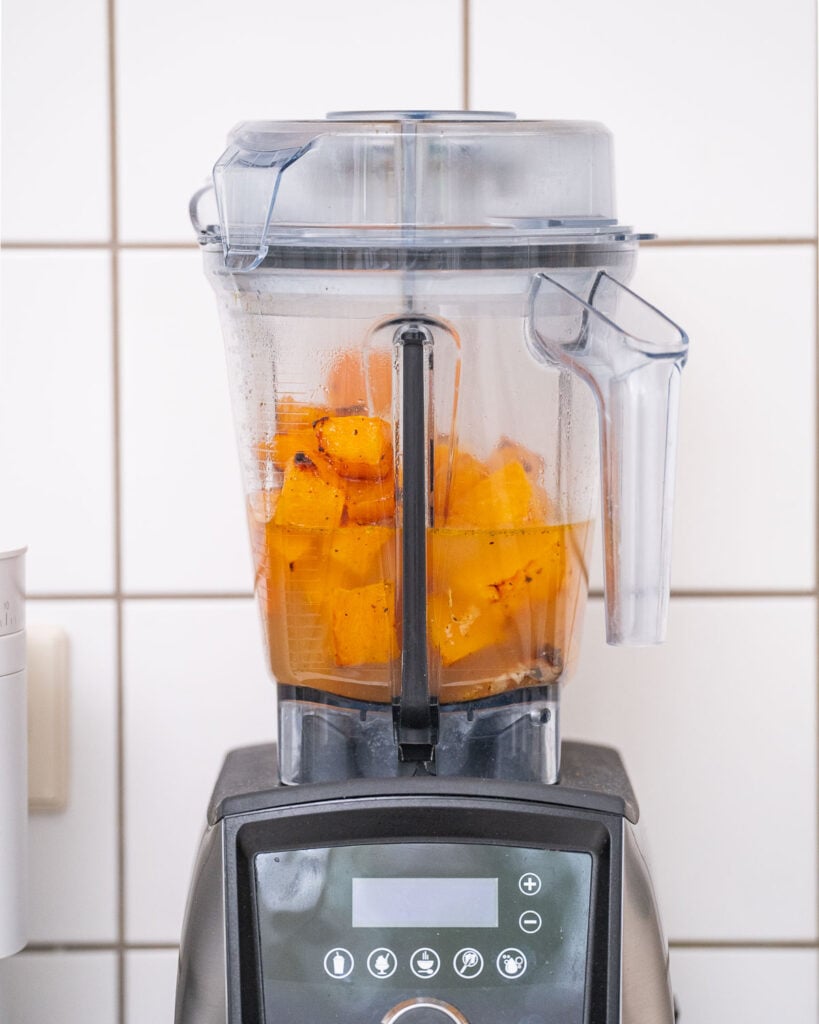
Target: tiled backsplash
column 117, row 458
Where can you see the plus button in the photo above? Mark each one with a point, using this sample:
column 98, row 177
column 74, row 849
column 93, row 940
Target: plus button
column 529, row 884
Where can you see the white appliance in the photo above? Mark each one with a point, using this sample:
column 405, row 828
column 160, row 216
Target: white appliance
column 13, row 759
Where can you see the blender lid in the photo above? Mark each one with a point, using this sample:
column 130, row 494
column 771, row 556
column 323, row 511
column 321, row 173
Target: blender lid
column 431, row 189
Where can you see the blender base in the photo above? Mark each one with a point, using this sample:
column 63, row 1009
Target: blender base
column 324, row 738
column 268, row 846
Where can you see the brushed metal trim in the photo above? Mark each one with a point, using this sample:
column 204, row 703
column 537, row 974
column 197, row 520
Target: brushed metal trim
column 646, row 991
column 201, row 985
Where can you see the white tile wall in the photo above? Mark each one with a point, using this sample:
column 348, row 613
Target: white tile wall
column 718, row 731
column 72, row 988
column 184, row 526
column 746, row 491
column 56, row 421
column 150, row 986
column 712, row 105
column 713, row 111
column 754, row 986
column 55, row 121
column 195, row 686
column 213, row 64
column 73, row 881
column 746, row 480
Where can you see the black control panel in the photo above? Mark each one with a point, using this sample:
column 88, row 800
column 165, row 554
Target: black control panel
column 423, row 909
column 408, row 920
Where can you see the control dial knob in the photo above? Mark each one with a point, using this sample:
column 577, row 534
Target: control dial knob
column 424, row 1010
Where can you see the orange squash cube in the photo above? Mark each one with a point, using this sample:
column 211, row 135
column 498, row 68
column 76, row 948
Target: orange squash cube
column 294, row 432
column 359, row 447
column 508, row 451
column 364, row 625
column 370, row 501
column 505, row 567
column 359, row 552
column 503, row 499
column 455, row 472
column 284, row 446
column 361, row 380
column 306, row 499
column 458, row 629
column 292, row 415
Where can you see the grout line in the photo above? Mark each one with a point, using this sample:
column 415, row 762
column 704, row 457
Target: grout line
column 466, row 53
column 686, row 594
column 166, row 595
column 244, row 595
column 14, row 245
column 682, row 243
column 98, row 947
column 743, row 944
column 117, row 432
column 178, row 246
column 104, row 246
column 215, row 595
column 816, row 480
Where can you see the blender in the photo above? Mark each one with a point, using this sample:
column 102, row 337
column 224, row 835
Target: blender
column 428, row 328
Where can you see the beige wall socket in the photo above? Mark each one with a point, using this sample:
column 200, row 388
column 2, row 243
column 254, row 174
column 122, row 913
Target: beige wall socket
column 48, row 717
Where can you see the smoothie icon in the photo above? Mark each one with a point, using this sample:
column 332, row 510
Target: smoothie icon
column 339, row 963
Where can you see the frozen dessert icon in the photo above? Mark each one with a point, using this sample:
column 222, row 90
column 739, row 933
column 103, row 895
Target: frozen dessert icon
column 468, row 963
column 381, row 963
column 425, row 963
column 339, row 963
column 511, row 963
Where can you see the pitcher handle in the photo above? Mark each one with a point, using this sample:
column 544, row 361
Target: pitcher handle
column 630, row 354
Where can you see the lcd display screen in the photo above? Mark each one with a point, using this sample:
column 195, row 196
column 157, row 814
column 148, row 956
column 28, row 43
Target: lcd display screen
column 425, row 903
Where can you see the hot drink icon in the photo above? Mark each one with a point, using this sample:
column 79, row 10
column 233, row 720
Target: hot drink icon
column 425, row 962
column 511, row 963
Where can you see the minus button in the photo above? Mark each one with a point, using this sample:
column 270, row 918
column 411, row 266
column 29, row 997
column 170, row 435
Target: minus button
column 530, row 922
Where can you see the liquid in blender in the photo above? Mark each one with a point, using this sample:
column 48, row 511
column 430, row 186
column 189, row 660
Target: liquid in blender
column 507, row 579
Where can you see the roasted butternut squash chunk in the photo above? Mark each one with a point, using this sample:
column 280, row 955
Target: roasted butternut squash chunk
column 292, row 415
column 458, row 629
column 359, row 552
column 359, row 447
column 370, row 501
column 508, row 451
column 284, row 446
column 542, row 508
column 306, row 499
column 364, row 625
column 455, row 472
column 503, row 499
column 294, row 432
column 505, row 567
column 361, row 380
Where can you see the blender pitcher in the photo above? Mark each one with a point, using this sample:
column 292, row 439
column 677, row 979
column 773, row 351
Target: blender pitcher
column 427, row 328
